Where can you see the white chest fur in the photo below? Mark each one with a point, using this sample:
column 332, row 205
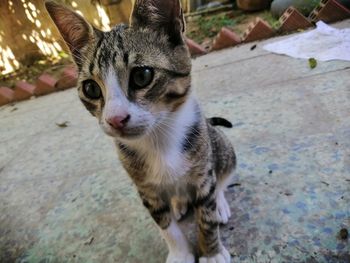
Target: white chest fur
column 163, row 152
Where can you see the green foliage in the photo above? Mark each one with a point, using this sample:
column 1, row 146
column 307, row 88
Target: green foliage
column 63, row 54
column 305, row 6
column 268, row 17
column 207, row 26
column 215, row 23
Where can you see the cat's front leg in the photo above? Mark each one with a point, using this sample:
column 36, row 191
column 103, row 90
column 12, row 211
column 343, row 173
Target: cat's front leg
column 179, row 248
column 211, row 249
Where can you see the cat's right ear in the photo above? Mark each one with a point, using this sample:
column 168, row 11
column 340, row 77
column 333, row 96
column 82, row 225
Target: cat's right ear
column 75, row 30
column 160, row 15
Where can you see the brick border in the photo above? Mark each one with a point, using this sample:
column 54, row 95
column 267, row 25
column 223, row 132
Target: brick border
column 292, row 20
column 6, row 95
column 257, row 30
column 23, row 91
column 195, row 48
column 68, row 78
column 45, row 84
column 329, row 11
column 225, row 38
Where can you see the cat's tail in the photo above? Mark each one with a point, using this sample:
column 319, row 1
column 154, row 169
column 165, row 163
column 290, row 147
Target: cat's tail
column 217, row 121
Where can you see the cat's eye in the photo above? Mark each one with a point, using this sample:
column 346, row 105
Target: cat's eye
column 92, row 90
column 141, row 77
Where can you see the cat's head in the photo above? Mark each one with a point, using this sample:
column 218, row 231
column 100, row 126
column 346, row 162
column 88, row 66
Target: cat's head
column 132, row 77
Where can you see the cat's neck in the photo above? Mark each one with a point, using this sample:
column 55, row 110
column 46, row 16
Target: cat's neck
column 169, row 135
column 163, row 149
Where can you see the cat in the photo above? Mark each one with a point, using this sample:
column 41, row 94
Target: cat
column 136, row 80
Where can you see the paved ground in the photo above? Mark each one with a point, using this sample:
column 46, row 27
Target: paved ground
column 65, row 198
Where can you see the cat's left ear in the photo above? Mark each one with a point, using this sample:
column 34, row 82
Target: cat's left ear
column 75, row 30
column 160, row 15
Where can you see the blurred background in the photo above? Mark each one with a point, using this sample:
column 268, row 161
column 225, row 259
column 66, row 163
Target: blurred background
column 31, row 45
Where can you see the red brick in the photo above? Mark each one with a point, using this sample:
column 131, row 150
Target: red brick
column 292, row 20
column 68, row 78
column 6, row 95
column 329, row 11
column 195, row 49
column 225, row 38
column 258, row 30
column 45, row 84
column 23, row 90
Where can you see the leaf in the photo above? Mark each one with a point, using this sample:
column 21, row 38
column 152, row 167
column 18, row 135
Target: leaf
column 312, row 63
column 63, row 54
column 63, row 124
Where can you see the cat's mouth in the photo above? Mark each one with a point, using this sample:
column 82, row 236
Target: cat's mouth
column 131, row 133
column 128, row 133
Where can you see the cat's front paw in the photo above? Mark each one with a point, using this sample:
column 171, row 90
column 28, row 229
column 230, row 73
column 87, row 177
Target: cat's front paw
column 222, row 257
column 186, row 257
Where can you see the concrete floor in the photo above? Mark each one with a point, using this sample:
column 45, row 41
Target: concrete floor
column 65, row 198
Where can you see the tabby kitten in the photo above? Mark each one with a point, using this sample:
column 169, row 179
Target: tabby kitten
column 136, row 80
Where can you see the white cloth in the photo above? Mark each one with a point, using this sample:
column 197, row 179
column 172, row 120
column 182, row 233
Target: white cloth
column 323, row 43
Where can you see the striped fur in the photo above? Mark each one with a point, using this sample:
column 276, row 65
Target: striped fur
column 174, row 155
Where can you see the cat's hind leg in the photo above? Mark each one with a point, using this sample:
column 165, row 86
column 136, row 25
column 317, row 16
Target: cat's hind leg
column 223, row 208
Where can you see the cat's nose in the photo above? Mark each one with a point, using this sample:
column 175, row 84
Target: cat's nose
column 118, row 122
